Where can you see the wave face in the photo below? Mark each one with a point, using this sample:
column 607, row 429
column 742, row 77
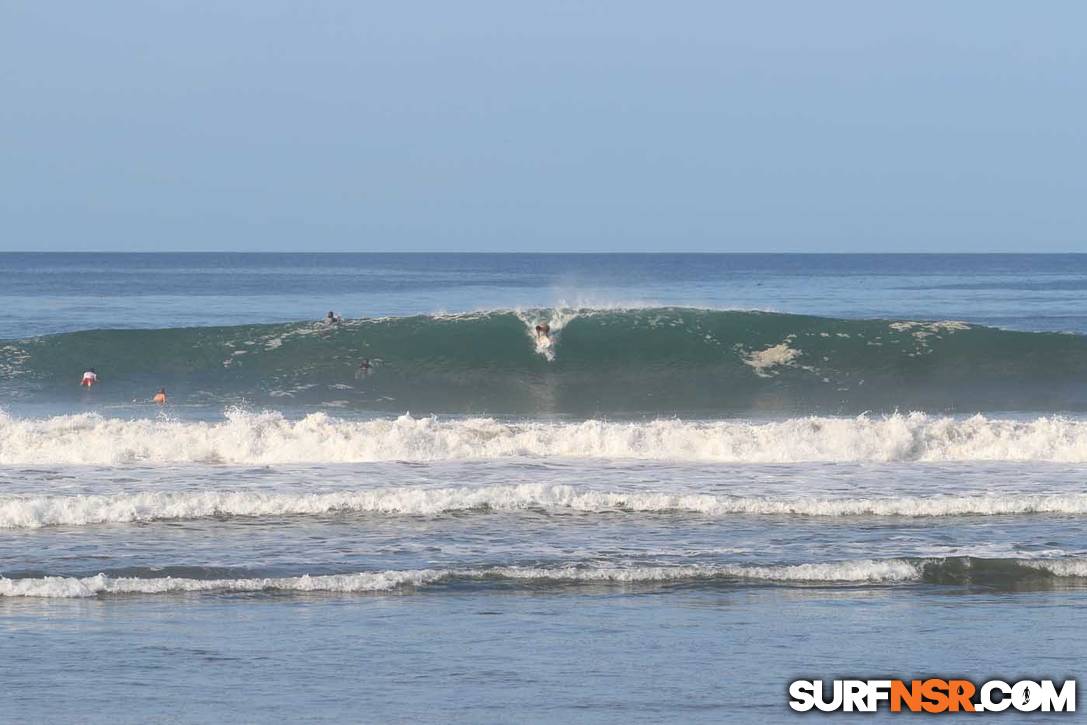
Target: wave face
column 657, row 361
column 272, row 438
column 959, row 571
column 32, row 512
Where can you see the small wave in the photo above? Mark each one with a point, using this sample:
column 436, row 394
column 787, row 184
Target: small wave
column 76, row 587
column 30, row 512
column 272, row 438
column 961, row 571
column 71, row 587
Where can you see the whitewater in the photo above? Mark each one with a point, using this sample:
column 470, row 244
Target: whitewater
column 849, row 572
column 82, row 510
column 273, row 438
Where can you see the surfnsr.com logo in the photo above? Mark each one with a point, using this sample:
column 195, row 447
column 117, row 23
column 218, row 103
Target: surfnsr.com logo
column 932, row 695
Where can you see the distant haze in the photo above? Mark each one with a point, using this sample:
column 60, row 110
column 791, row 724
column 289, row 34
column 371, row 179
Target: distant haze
column 552, row 126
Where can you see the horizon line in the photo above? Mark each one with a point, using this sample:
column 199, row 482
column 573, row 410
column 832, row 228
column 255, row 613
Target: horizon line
column 549, row 253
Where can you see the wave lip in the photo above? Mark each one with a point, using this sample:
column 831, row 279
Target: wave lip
column 31, row 512
column 272, row 438
column 960, row 571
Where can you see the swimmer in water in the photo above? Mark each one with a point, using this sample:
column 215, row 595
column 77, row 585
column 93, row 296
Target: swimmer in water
column 160, row 397
column 332, row 318
column 364, row 369
column 543, row 331
column 89, row 378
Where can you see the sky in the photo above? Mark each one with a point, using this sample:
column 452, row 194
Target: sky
column 551, row 126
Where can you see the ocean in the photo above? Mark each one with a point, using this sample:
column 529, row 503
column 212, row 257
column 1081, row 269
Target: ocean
column 718, row 474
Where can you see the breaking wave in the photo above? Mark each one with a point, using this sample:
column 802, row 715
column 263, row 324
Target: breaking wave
column 971, row 571
column 273, row 438
column 31, row 512
column 597, row 362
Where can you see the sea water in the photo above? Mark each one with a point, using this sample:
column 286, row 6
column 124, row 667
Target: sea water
column 725, row 473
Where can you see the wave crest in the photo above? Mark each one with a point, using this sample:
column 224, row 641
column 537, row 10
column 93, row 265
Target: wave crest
column 969, row 571
column 272, row 438
column 651, row 360
column 30, row 512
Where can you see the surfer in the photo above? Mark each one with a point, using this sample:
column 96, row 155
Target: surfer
column 332, row 318
column 89, row 378
column 364, row 369
column 543, row 332
column 160, row 397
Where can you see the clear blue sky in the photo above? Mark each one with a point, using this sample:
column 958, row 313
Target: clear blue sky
column 564, row 126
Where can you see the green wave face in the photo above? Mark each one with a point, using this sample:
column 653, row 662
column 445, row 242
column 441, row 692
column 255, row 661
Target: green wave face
column 658, row 361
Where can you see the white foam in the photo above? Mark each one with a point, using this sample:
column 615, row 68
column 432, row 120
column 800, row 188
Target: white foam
column 921, row 331
column 864, row 570
column 72, row 587
column 861, row 571
column 271, row 438
column 29, row 512
column 929, row 328
column 1061, row 567
column 763, row 361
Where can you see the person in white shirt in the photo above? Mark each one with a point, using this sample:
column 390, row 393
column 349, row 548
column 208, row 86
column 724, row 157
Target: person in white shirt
column 89, row 378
